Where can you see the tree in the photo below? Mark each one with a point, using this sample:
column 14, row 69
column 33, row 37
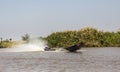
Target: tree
column 10, row 39
column 26, row 37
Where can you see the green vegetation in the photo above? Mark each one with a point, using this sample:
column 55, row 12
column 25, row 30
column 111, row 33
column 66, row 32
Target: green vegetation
column 26, row 38
column 8, row 43
column 90, row 36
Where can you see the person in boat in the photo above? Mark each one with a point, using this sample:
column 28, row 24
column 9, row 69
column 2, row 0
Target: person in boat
column 74, row 48
column 46, row 48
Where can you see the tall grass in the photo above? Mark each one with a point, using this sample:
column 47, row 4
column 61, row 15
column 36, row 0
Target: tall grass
column 8, row 44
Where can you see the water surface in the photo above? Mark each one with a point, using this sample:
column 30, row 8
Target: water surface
column 86, row 60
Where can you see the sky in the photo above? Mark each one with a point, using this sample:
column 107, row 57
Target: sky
column 43, row 17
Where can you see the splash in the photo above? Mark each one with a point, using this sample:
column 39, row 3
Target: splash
column 33, row 45
column 61, row 50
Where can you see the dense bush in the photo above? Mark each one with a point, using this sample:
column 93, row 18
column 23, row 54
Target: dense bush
column 90, row 36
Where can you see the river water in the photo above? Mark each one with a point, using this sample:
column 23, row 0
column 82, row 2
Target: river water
column 85, row 60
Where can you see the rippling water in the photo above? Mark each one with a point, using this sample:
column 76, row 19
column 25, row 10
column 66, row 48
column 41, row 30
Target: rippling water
column 85, row 60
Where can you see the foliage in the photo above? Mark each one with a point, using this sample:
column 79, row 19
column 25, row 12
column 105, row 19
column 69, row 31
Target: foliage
column 90, row 36
column 6, row 43
column 25, row 37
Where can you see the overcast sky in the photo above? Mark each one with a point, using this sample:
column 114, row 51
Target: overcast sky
column 42, row 17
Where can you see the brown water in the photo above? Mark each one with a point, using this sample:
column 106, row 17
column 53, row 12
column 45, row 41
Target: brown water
column 86, row 60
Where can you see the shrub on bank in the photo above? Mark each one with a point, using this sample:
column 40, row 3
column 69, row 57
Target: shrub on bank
column 90, row 36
